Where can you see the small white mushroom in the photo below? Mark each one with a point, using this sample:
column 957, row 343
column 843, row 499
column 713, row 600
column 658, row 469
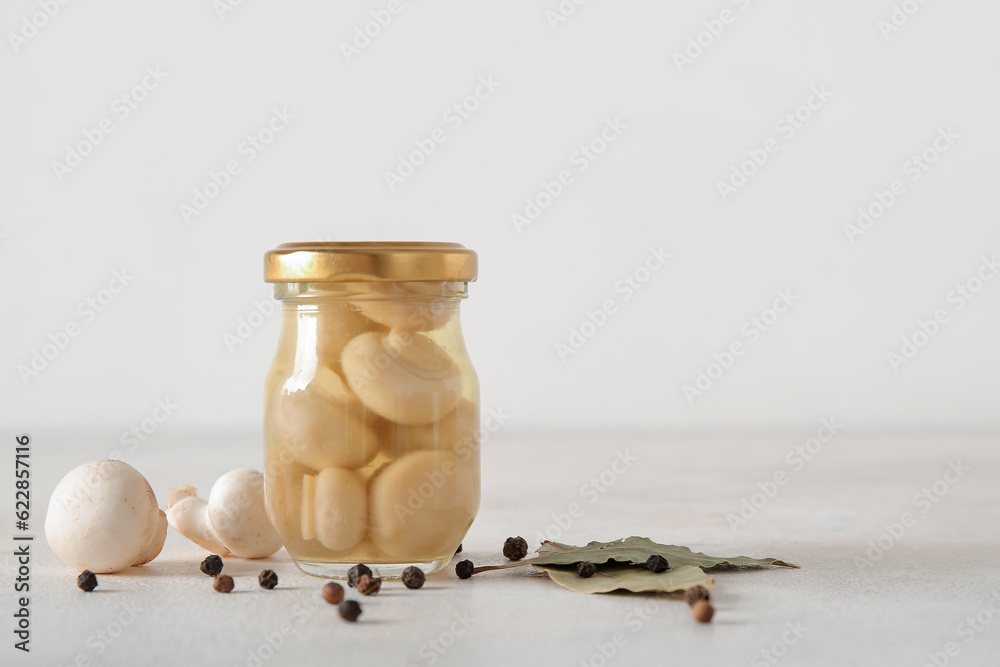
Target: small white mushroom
column 404, row 377
column 186, row 513
column 336, row 324
column 237, row 516
column 340, row 508
column 422, row 504
column 103, row 517
column 319, row 421
column 410, row 306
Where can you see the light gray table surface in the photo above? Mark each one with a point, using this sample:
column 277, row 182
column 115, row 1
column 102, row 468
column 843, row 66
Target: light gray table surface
column 917, row 598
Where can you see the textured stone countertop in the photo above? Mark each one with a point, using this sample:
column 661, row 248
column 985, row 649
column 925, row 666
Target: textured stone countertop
column 870, row 592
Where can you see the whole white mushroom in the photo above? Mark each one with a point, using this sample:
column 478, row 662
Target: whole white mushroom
column 405, row 377
column 237, row 515
column 103, row 517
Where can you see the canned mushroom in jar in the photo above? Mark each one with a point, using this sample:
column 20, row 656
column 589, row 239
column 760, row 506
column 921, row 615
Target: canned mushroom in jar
column 371, row 406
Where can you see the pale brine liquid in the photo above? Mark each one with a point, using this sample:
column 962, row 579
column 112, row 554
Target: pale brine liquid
column 372, row 431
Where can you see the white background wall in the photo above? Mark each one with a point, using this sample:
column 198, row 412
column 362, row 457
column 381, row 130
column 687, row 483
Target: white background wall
column 324, row 178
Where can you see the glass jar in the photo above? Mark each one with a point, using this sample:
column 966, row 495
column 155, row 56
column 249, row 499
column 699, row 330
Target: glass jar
column 371, row 407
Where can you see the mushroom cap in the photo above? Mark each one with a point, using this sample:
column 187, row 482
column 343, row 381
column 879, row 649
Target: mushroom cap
column 320, row 422
column 340, row 508
column 411, row 306
column 155, row 545
column 421, row 504
column 103, row 517
column 405, row 377
column 238, row 517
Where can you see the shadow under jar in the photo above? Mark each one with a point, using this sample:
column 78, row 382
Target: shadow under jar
column 371, row 407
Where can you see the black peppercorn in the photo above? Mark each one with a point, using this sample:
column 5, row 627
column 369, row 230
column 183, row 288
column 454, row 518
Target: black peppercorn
column 349, row 610
column 267, row 579
column 212, row 565
column 695, row 594
column 657, row 564
column 586, row 569
column 413, row 577
column 515, row 548
column 458, row 550
column 222, row 583
column 333, row 593
column 87, row 581
column 355, row 572
column 464, row 569
column 368, row 585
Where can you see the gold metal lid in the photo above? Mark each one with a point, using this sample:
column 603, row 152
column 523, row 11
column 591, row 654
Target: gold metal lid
column 369, row 261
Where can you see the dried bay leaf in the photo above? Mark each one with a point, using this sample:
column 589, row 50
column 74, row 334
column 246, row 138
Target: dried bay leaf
column 638, row 549
column 633, row 550
column 620, row 576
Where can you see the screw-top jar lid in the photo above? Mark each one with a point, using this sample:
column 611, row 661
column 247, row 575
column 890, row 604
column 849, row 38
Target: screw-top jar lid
column 370, row 261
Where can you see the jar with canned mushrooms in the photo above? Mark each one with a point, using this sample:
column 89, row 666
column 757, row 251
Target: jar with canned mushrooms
column 371, row 407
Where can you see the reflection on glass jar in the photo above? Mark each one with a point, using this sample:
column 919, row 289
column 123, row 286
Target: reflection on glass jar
column 371, row 410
